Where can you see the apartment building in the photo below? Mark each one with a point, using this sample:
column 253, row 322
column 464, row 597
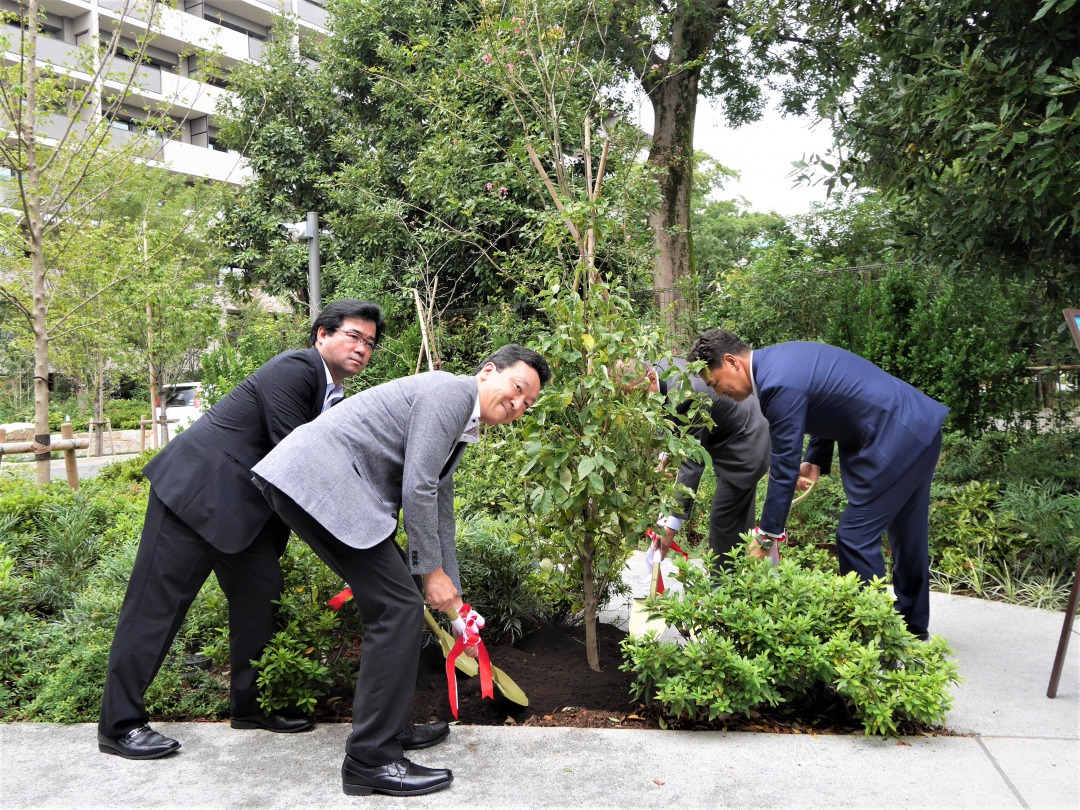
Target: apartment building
column 186, row 37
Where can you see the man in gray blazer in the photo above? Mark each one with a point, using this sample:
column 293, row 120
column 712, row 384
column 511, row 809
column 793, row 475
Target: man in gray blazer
column 339, row 483
column 737, row 443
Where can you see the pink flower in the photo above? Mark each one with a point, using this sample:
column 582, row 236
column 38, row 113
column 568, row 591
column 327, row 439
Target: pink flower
column 487, row 58
column 503, row 191
column 655, row 67
column 490, row 186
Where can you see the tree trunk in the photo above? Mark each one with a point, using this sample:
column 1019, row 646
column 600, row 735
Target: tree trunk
column 674, row 103
column 152, row 370
column 34, row 226
column 592, row 648
column 41, row 362
column 99, row 406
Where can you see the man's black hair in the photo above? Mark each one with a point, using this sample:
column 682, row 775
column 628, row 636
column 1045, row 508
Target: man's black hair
column 337, row 311
column 713, row 345
column 512, row 353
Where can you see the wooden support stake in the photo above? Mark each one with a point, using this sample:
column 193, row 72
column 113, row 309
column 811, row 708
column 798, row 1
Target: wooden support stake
column 70, row 464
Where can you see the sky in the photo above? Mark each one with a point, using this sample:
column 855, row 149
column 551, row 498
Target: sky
column 761, row 152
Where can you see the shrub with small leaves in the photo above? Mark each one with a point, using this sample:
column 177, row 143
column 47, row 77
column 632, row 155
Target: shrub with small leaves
column 306, row 656
column 761, row 637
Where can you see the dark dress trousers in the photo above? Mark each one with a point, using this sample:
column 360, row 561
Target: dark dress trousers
column 738, row 444
column 889, row 439
column 205, row 514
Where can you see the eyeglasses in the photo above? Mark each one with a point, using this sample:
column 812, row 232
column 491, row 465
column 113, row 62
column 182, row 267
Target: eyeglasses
column 356, row 337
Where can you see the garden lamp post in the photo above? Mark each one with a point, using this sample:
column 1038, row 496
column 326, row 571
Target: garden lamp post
column 307, row 230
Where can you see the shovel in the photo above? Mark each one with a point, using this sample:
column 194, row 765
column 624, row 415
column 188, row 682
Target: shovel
column 469, row 667
column 642, row 618
column 465, row 665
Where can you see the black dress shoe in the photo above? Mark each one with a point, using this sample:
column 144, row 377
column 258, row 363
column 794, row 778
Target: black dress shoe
column 139, row 743
column 414, row 737
column 273, row 722
column 401, row 778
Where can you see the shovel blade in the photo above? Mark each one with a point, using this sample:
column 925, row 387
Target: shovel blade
column 465, row 665
column 507, row 688
column 643, row 620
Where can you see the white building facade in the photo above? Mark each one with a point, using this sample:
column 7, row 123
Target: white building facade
column 184, row 37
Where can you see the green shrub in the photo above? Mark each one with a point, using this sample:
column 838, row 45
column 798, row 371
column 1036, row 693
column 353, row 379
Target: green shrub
column 124, row 474
column 763, row 637
column 309, row 653
column 1046, row 523
column 1012, row 457
column 1020, row 545
column 502, row 582
column 966, row 458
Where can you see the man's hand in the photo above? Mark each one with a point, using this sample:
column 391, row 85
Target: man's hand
column 441, row 593
column 666, row 541
column 763, row 543
column 809, row 472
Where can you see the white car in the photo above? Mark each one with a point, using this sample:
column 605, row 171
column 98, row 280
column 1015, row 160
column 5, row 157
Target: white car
column 184, row 403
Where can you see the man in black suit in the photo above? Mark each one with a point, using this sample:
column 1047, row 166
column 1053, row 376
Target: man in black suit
column 737, row 443
column 205, row 514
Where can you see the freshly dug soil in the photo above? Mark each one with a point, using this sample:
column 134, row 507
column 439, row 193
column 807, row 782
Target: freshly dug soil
column 550, row 667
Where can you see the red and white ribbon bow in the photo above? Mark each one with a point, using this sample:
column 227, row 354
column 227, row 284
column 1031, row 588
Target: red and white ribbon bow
column 467, row 627
column 654, row 549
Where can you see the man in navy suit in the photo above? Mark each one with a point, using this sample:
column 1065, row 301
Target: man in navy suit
column 204, row 514
column 889, row 439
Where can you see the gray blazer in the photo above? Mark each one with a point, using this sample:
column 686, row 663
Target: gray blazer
column 390, row 448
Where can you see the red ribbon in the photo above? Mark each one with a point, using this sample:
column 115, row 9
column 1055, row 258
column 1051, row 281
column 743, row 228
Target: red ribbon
column 338, row 601
column 652, row 537
column 468, row 637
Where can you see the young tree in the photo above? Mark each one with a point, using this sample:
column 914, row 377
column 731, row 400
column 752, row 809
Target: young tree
column 56, row 141
column 591, row 452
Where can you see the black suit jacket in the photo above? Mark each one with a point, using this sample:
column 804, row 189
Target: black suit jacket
column 738, row 441
column 204, row 474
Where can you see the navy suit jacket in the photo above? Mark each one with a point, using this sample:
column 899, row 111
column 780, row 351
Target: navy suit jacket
column 204, row 474
column 880, row 424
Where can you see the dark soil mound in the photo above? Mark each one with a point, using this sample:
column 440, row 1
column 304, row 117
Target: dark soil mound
column 550, row 667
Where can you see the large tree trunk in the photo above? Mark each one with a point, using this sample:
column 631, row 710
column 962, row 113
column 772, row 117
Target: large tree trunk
column 674, row 102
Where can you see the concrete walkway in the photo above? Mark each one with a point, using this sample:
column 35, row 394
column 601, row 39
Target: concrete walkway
column 1023, row 751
